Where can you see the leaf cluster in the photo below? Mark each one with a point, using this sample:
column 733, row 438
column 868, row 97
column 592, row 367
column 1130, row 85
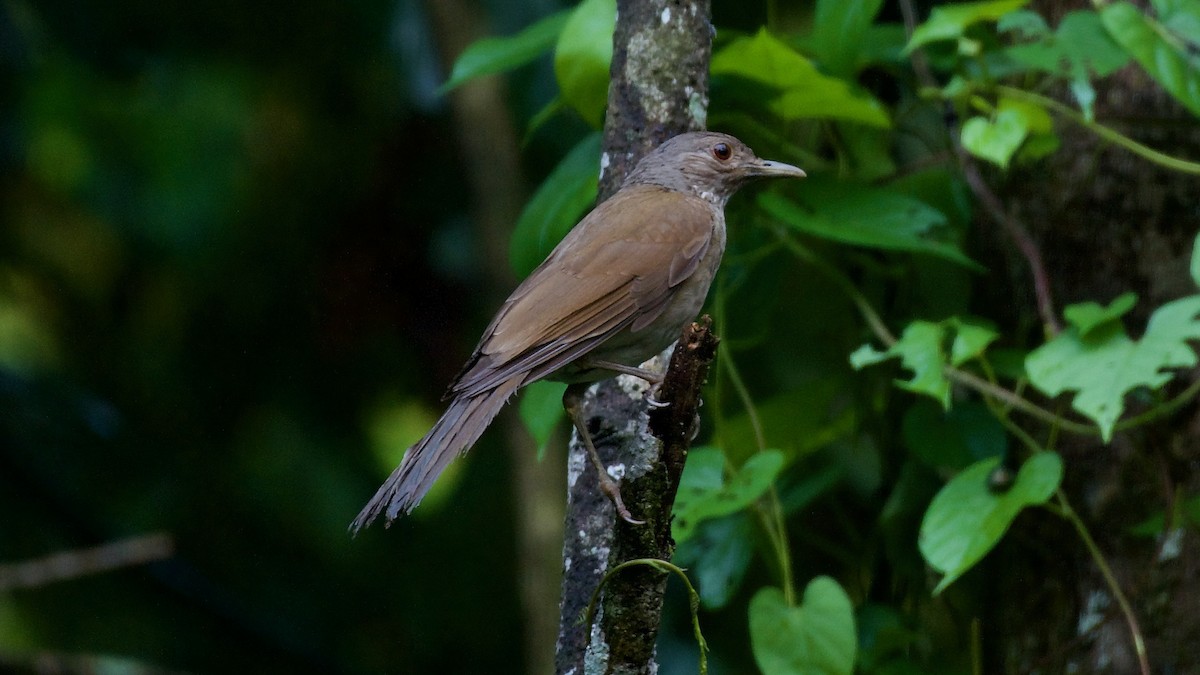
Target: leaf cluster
column 804, row 428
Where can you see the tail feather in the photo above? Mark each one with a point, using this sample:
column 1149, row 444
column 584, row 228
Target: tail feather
column 459, row 427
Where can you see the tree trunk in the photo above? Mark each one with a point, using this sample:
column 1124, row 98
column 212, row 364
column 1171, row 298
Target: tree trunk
column 658, row 89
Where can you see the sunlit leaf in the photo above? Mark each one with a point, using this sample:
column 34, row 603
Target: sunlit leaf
column 1106, row 364
column 1086, row 316
column 496, row 55
column 921, row 349
column 557, row 205
column 582, row 58
column 970, row 340
column 815, row 638
column 949, row 22
column 966, row 519
column 803, row 91
column 1165, row 60
column 996, row 139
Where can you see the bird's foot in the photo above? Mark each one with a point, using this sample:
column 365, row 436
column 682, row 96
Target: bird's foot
column 573, row 403
column 613, row 491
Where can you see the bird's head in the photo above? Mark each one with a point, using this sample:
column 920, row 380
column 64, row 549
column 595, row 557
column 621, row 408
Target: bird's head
column 708, row 164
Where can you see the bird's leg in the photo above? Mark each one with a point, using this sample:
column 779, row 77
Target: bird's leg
column 573, row 404
column 652, row 378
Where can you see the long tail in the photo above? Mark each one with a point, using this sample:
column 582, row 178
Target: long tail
column 460, row 426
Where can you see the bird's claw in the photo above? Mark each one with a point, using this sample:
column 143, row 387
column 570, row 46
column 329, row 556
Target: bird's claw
column 613, row 491
column 655, row 403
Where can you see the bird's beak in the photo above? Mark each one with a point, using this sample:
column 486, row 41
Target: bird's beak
column 772, row 169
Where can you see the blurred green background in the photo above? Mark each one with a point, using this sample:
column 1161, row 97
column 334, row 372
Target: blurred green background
column 238, row 263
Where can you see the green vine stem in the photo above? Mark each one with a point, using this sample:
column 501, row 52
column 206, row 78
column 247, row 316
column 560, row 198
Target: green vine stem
column 666, row 568
column 1139, row 643
column 1064, row 510
column 769, row 508
column 1108, row 134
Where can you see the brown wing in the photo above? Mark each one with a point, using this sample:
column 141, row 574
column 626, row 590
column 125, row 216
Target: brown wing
column 613, row 271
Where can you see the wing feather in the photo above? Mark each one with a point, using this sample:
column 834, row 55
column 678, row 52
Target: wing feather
column 613, row 272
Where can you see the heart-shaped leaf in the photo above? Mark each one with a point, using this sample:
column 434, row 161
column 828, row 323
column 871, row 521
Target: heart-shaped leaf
column 966, row 519
column 997, row 139
column 816, row 638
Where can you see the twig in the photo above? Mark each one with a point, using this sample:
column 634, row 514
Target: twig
column 85, row 561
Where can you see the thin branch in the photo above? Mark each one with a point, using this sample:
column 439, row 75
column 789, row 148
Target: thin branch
column 1110, row 579
column 85, row 561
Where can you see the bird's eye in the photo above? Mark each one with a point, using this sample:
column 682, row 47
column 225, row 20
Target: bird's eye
column 722, row 151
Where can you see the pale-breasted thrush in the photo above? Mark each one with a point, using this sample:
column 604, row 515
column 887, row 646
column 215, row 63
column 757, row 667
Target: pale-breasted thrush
column 616, row 291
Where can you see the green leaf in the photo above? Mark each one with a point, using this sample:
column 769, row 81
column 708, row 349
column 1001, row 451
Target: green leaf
column 717, row 556
column 1025, row 22
column 997, row 139
column 816, row 638
column 541, row 408
column 949, row 22
column 1087, row 316
column 884, row 43
column 557, row 206
column 1079, row 48
column 583, row 56
column 966, row 519
column 838, row 30
column 1181, row 17
column 1013, row 124
column 1165, row 60
column 863, row 216
column 803, row 91
column 970, row 340
column 920, row 350
column 952, row 438
column 704, row 493
column 496, row 55
column 1195, row 265
column 1106, row 364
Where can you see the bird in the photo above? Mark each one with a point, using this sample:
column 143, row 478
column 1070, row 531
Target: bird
column 617, row 290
